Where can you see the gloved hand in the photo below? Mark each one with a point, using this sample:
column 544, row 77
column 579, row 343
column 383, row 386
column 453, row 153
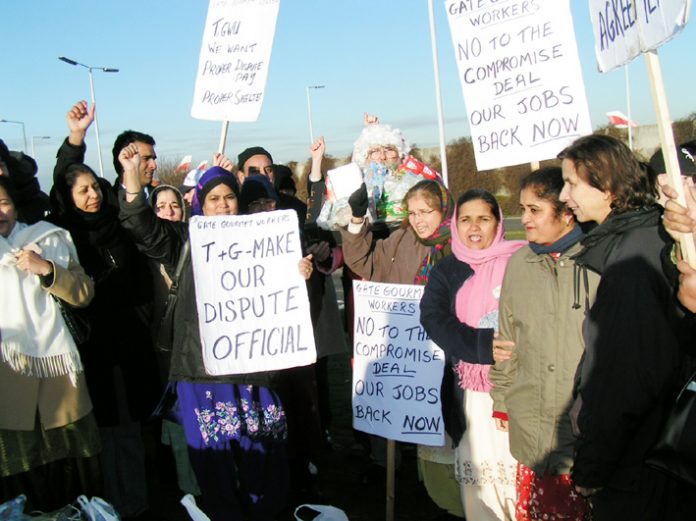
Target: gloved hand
column 358, row 201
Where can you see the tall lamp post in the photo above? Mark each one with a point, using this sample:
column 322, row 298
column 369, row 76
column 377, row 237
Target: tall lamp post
column 91, row 88
column 309, row 110
column 33, row 139
column 24, row 131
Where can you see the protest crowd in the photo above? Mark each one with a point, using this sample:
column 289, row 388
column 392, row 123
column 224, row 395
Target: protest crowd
column 563, row 353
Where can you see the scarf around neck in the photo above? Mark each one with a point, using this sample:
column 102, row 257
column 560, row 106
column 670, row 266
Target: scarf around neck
column 599, row 242
column 439, row 241
column 560, row 246
column 477, row 300
column 34, row 338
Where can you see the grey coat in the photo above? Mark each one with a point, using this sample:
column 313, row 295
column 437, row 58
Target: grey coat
column 535, row 386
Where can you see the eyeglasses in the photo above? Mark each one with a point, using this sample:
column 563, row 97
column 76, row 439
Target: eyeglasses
column 419, row 213
column 388, row 152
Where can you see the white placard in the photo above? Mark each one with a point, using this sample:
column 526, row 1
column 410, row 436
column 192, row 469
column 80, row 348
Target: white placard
column 345, row 180
column 397, row 369
column 253, row 311
column 234, row 60
column 521, row 78
column 625, row 28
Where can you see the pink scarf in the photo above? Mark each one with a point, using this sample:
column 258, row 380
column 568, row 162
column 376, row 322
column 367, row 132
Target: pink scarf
column 477, row 299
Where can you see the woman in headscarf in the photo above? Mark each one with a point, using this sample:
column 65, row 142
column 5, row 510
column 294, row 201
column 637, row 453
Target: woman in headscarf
column 407, row 256
column 168, row 203
column 242, row 473
column 459, row 310
column 120, row 363
column 48, row 436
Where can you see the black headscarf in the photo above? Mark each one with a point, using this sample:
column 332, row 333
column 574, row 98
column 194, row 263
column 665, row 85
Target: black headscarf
column 93, row 233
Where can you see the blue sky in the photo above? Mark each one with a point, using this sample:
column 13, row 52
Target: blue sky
column 372, row 55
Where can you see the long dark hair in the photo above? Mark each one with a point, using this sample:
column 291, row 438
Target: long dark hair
column 608, row 165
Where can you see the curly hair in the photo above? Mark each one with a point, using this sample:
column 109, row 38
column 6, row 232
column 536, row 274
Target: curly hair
column 378, row 135
column 547, row 183
column 606, row 164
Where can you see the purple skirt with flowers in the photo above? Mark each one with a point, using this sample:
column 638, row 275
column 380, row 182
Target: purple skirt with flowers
column 236, row 435
column 224, row 412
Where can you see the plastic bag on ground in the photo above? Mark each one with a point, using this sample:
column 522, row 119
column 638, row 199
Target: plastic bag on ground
column 195, row 513
column 325, row 513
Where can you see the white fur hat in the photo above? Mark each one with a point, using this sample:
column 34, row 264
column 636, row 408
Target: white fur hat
column 376, row 135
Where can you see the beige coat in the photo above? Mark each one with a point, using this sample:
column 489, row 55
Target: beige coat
column 56, row 400
column 534, row 387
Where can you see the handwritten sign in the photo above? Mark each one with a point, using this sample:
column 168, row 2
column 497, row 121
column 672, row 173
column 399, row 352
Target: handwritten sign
column 521, row 78
column 624, row 29
column 397, row 369
column 252, row 302
column 234, row 59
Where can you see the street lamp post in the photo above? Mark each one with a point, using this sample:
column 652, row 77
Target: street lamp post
column 24, row 131
column 309, row 110
column 33, row 138
column 91, row 89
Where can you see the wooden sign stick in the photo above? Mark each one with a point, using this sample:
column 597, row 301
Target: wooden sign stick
column 669, row 150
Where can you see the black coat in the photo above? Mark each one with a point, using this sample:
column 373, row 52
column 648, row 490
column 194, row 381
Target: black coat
column 459, row 341
column 163, row 241
column 629, row 374
column 119, row 314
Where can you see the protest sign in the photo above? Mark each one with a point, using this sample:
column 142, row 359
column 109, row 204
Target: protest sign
column 623, row 29
column 521, row 78
column 234, row 59
column 253, row 311
column 345, row 180
column 397, row 369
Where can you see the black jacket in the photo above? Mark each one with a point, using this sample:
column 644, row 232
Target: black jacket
column 459, row 341
column 163, row 242
column 121, row 309
column 629, row 375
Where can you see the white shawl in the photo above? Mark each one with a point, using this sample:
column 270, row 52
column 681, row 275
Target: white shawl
column 34, row 339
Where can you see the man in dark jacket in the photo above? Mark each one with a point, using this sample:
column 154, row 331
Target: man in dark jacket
column 148, row 158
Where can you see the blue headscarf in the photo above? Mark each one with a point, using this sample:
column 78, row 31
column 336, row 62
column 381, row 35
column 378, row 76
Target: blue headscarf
column 213, row 176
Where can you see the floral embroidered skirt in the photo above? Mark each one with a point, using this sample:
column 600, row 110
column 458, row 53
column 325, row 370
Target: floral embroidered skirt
column 549, row 498
column 236, row 435
column 222, row 412
column 485, row 469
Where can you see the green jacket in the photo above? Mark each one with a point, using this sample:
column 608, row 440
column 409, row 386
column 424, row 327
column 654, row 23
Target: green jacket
column 542, row 308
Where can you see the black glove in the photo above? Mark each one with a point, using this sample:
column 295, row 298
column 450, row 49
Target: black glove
column 358, row 201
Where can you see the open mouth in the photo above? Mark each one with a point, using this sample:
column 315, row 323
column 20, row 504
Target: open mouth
column 475, row 238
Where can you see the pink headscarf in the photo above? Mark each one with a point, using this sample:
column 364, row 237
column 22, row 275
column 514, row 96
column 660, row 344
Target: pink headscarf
column 477, row 300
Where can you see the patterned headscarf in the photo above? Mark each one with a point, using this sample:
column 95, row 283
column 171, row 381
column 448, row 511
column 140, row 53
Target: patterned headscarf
column 441, row 238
